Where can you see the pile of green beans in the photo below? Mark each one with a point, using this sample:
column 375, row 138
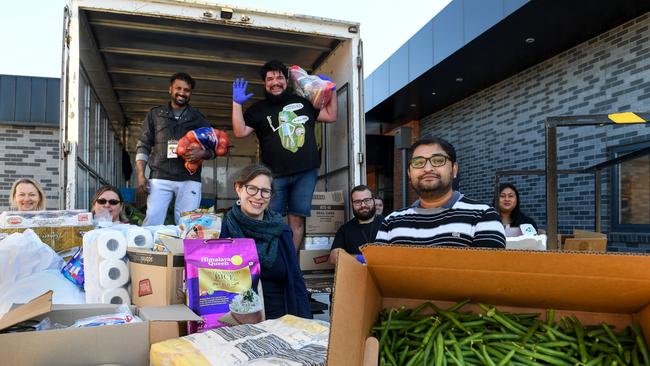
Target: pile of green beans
column 494, row 338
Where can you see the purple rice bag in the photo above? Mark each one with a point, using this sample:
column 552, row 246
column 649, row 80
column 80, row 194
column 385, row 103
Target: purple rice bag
column 217, row 270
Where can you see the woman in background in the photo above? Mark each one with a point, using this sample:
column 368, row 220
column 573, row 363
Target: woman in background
column 508, row 206
column 283, row 286
column 27, row 195
column 108, row 201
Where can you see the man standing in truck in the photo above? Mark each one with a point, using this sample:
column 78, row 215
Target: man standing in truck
column 441, row 215
column 284, row 124
column 163, row 126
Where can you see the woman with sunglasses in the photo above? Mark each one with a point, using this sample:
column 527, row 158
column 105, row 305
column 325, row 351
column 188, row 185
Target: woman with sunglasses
column 282, row 282
column 108, row 201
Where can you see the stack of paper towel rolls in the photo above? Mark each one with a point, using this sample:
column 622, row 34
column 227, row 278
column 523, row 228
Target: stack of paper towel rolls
column 106, row 272
column 105, row 267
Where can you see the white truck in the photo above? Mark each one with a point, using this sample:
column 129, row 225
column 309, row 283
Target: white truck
column 118, row 56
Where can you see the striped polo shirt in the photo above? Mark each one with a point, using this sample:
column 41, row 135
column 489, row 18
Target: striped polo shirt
column 462, row 222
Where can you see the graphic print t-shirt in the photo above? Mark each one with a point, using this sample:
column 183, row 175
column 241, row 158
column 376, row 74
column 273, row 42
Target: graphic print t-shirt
column 286, row 134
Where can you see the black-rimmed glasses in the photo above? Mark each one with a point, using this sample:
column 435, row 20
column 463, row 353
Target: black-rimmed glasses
column 436, row 160
column 264, row 192
column 366, row 202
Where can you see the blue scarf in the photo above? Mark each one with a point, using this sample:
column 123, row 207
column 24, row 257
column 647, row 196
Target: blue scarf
column 265, row 232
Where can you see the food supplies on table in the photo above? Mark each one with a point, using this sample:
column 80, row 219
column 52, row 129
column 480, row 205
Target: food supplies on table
column 311, row 87
column 289, row 341
column 204, row 138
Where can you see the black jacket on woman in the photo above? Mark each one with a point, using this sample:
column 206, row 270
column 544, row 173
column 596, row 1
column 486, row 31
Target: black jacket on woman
column 283, row 284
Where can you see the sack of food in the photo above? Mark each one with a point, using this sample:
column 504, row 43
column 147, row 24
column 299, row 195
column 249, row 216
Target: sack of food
column 204, row 138
column 217, row 271
column 311, row 87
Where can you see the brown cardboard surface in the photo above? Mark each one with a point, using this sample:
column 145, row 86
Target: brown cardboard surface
column 327, row 213
column 594, row 286
column 62, row 239
column 315, row 261
column 157, row 277
column 37, row 306
column 126, row 344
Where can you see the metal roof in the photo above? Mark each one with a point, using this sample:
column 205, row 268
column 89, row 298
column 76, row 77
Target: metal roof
column 29, row 100
column 472, row 44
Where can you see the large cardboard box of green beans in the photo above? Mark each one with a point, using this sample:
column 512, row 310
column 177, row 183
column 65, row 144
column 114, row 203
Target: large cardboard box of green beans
column 593, row 287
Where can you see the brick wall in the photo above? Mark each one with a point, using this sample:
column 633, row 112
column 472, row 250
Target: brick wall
column 502, row 127
column 31, row 152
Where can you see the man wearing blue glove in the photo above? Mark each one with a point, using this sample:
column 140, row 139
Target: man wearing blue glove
column 284, row 125
column 162, row 128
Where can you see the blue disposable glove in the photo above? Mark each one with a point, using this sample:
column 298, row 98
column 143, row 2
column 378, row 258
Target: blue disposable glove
column 327, row 78
column 239, row 95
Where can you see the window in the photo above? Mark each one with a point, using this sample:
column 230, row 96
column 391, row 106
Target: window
column 631, row 191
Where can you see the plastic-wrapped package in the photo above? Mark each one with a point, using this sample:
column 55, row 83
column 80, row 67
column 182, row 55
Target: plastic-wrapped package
column 311, row 87
column 204, row 138
column 122, row 316
column 194, row 225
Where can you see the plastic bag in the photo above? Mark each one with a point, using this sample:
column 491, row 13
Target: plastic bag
column 204, row 138
column 311, row 87
column 122, row 316
column 195, row 225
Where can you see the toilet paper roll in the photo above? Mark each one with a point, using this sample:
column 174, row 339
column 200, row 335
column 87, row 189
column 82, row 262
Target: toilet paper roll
column 111, row 244
column 138, row 237
column 113, row 273
column 116, row 296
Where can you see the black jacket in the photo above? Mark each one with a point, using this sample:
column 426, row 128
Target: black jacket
column 158, row 128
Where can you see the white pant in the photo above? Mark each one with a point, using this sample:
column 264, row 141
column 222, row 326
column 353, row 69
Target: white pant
column 161, row 191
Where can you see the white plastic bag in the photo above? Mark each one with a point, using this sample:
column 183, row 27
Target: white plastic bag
column 30, row 268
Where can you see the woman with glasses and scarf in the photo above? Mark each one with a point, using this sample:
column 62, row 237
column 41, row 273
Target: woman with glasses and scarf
column 282, row 282
column 108, row 201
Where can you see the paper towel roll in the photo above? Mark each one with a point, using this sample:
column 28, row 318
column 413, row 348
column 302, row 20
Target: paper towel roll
column 138, row 237
column 111, row 244
column 113, row 273
column 116, row 296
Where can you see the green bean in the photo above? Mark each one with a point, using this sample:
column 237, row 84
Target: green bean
column 439, row 350
column 504, row 361
column 641, row 342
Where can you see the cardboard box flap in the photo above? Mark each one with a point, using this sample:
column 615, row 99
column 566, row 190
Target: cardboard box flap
column 560, row 280
column 352, row 277
column 174, row 245
column 588, row 234
column 177, row 312
column 37, row 306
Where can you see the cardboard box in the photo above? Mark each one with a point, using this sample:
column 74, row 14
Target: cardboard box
column 157, row 277
column 327, row 213
column 63, row 239
column 320, row 242
column 596, row 287
column 315, row 261
column 126, row 344
column 584, row 241
column 29, row 219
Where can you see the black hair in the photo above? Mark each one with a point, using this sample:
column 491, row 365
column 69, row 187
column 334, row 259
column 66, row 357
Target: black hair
column 251, row 172
column 516, row 214
column 274, row 65
column 183, row 76
column 434, row 140
column 361, row 188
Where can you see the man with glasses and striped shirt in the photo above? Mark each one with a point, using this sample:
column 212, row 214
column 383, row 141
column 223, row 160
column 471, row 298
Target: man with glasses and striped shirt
column 440, row 216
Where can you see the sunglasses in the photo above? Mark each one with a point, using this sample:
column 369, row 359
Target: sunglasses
column 102, row 201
